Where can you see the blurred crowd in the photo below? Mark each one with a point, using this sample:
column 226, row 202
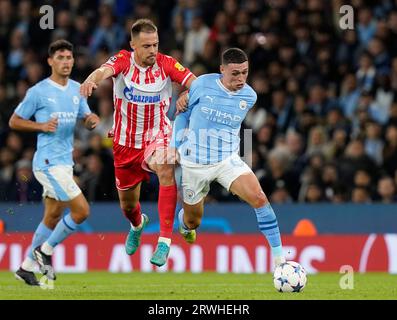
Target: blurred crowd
column 325, row 123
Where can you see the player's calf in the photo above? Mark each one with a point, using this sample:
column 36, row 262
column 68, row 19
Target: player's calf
column 268, row 225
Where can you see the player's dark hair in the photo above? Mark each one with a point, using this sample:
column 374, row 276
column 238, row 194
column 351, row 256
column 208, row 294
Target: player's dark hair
column 59, row 45
column 234, row 55
column 143, row 25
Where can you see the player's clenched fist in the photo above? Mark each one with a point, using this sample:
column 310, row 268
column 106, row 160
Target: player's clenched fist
column 87, row 87
column 182, row 102
column 50, row 126
column 91, row 121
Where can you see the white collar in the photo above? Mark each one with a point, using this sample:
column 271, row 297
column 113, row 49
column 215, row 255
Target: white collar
column 57, row 85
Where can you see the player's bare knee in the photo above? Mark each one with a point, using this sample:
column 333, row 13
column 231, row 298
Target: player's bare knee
column 192, row 223
column 258, row 199
column 51, row 221
column 128, row 206
column 80, row 211
column 84, row 212
column 166, row 174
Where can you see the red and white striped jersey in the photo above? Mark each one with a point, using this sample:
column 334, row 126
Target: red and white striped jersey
column 142, row 97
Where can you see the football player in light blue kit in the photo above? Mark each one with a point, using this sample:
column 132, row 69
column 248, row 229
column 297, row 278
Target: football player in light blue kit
column 217, row 105
column 55, row 104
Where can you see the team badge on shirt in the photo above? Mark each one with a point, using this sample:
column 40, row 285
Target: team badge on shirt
column 76, row 100
column 179, row 67
column 243, row 104
column 114, row 58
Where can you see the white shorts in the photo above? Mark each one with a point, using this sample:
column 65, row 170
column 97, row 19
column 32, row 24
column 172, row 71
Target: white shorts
column 58, row 183
column 196, row 178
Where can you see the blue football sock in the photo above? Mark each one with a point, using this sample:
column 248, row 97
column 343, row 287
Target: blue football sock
column 268, row 225
column 41, row 234
column 65, row 227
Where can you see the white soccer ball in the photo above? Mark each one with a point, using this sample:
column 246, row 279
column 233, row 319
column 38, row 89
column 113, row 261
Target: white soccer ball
column 289, row 277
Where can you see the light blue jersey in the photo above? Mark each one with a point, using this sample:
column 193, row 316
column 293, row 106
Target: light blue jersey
column 213, row 119
column 47, row 100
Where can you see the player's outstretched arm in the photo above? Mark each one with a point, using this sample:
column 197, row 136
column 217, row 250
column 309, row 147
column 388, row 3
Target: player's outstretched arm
column 20, row 124
column 93, row 80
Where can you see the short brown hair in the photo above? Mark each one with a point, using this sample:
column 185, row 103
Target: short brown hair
column 234, row 55
column 59, row 45
column 142, row 25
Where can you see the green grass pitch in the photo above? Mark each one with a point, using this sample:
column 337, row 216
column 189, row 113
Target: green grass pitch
column 203, row 286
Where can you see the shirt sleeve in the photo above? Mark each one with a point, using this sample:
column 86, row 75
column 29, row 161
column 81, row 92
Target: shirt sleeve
column 175, row 70
column 120, row 62
column 84, row 109
column 28, row 106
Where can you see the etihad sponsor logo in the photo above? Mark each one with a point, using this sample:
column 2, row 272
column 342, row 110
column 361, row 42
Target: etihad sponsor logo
column 129, row 94
column 220, row 116
column 64, row 115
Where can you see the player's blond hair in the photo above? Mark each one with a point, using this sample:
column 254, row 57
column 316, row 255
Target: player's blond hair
column 142, row 25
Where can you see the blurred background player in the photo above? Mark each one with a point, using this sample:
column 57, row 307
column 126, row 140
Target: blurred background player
column 56, row 104
column 217, row 106
column 142, row 96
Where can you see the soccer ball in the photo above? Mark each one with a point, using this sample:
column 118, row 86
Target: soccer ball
column 289, row 277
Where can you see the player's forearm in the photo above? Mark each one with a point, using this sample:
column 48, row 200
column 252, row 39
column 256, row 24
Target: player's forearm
column 25, row 125
column 189, row 82
column 99, row 75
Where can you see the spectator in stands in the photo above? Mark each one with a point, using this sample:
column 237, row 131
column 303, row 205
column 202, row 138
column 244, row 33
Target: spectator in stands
column 387, row 190
column 329, row 181
column 195, row 40
column 7, row 162
column 390, row 150
column 361, row 195
column 366, row 27
column 350, row 95
column 108, row 34
column 97, row 183
column 314, row 193
column 279, row 172
column 363, row 179
column 281, row 195
column 23, row 187
column 317, row 142
column 282, row 109
column 366, row 72
column 373, row 141
column 355, row 159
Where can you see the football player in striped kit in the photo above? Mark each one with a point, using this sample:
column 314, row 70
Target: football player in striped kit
column 142, row 85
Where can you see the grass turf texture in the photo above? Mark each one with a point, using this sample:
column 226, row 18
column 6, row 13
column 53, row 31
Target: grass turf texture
column 204, row 286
